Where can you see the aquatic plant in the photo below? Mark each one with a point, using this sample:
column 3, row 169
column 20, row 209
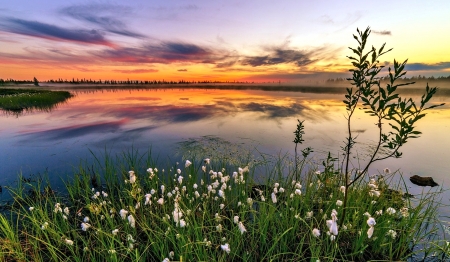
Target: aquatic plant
column 16, row 101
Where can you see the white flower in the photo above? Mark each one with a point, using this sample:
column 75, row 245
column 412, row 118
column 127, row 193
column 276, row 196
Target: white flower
column 298, row 186
column 31, row 208
column 332, row 224
column 242, row 228
column 221, row 206
column 339, row 203
column 371, row 222
column 160, row 201
column 162, row 189
column 197, row 195
column 86, row 219
column 274, row 198
column 115, row 231
column 374, row 193
column 171, row 254
column 44, row 226
column 111, row 251
column 404, row 211
column 66, row 211
column 180, row 180
column 249, row 201
column 147, row 199
column 207, row 161
column 236, row 219
column 166, row 260
column 370, row 232
column 390, row 211
column 132, row 177
column 182, row 223
column 178, row 171
column 123, row 213
column 309, row 214
column 392, row 234
column 104, row 194
column 85, row 226
column 316, row 232
column 342, row 189
column 332, row 237
column 132, row 221
column 281, row 190
column 276, row 185
column 219, row 228
column 68, row 242
column 188, row 163
column 226, row 248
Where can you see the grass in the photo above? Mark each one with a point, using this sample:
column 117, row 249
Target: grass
column 130, row 208
column 18, row 100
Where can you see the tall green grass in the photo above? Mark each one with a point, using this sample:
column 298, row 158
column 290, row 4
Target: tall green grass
column 16, row 101
column 210, row 211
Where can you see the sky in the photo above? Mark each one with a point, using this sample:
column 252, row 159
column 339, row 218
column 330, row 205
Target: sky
column 251, row 40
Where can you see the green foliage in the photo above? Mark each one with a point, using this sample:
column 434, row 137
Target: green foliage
column 16, row 101
column 49, row 226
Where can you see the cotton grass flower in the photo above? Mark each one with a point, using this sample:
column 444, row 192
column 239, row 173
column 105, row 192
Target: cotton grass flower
column 339, row 203
column 123, row 213
column 316, row 232
column 132, row 177
column 274, row 197
column 390, row 211
column 68, row 242
column 226, row 248
column 31, row 208
column 391, row 233
column 187, row 164
column 132, row 221
column 332, row 224
column 236, row 219
column 160, row 201
column 371, row 222
column 182, row 223
column 298, row 192
column 242, row 228
column 115, row 231
column 44, row 226
column 85, row 226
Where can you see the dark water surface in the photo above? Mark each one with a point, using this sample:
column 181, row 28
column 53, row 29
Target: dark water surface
column 250, row 118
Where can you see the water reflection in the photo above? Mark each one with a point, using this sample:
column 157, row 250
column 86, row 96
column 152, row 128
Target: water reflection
column 162, row 118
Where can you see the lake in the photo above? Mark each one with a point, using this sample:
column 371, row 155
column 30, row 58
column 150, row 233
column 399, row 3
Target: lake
column 244, row 119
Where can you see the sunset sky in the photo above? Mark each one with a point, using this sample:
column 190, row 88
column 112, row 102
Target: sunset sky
column 252, row 40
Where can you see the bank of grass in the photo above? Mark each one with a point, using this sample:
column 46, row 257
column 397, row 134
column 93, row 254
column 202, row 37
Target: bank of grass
column 131, row 209
column 19, row 100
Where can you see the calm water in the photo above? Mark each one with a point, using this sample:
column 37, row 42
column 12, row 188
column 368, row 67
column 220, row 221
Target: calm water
column 257, row 120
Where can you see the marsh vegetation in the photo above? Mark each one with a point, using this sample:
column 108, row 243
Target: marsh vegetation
column 17, row 101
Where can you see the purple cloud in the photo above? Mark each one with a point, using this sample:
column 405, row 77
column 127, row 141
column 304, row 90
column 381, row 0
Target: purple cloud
column 53, row 32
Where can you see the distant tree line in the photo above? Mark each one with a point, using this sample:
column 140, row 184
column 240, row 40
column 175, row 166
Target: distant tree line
column 116, row 82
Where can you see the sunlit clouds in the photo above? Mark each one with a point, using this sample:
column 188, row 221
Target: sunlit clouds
column 177, row 41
